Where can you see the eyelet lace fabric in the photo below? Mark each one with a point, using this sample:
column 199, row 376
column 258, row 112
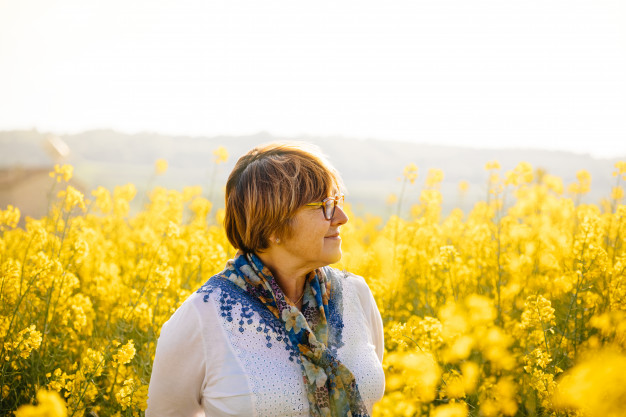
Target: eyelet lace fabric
column 260, row 343
column 358, row 351
column 259, row 371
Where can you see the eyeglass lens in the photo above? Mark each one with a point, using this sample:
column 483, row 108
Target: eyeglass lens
column 329, row 207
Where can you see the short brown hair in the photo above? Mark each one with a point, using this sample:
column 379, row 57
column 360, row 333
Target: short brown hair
column 267, row 187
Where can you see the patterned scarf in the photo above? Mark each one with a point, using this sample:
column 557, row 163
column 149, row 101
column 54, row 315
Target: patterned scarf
column 331, row 387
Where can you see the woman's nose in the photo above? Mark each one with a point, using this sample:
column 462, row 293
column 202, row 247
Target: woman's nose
column 339, row 217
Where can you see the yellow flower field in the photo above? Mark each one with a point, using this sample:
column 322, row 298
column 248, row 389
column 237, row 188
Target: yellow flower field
column 515, row 308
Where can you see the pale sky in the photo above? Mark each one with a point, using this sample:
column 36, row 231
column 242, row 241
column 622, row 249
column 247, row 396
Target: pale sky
column 541, row 74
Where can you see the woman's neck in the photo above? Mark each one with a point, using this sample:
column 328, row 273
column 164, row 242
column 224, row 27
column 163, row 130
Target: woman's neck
column 289, row 276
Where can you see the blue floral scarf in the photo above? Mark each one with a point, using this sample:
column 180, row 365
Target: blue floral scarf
column 331, row 388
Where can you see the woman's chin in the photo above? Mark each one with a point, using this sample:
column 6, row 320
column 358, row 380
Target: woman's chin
column 335, row 258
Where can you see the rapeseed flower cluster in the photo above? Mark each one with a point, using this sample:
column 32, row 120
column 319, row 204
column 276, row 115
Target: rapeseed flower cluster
column 514, row 308
column 491, row 312
column 49, row 404
column 85, row 290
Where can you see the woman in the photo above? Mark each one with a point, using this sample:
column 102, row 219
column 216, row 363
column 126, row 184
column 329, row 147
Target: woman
column 278, row 332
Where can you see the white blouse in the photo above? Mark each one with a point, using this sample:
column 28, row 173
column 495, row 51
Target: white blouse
column 222, row 353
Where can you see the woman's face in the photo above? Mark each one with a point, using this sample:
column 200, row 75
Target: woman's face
column 315, row 241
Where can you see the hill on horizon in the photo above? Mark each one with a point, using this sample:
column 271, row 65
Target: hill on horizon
column 370, row 168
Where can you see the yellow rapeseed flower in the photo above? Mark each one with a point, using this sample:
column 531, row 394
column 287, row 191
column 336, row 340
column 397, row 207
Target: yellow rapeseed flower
column 221, row 155
column 538, row 313
column 49, row 404
column 410, row 172
column 9, row 217
column 553, row 183
column 617, row 193
column 103, row 199
column 72, row 198
column 125, row 353
column 620, row 167
column 160, row 166
column 172, row 230
column 596, row 386
column 62, row 172
column 92, row 362
column 124, row 394
column 583, row 185
column 524, row 171
column 191, row 192
column 470, row 374
column 459, row 349
column 450, row 410
column 434, row 177
column 26, row 341
column 492, row 166
column 421, row 375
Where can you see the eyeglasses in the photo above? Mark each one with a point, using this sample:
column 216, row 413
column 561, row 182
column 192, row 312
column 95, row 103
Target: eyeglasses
column 329, row 204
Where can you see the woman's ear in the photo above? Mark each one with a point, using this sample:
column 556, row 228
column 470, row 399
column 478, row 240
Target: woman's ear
column 275, row 240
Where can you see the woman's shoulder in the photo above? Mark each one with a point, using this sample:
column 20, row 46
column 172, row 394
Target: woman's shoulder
column 352, row 282
column 219, row 290
column 355, row 288
column 345, row 276
column 197, row 318
column 199, row 305
column 186, row 317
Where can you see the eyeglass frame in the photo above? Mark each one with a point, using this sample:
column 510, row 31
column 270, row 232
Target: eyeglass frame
column 338, row 201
